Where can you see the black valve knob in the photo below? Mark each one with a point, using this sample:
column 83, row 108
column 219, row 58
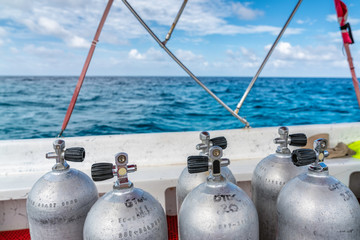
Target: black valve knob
column 219, row 141
column 75, row 154
column 302, row 157
column 101, row 171
column 198, row 164
column 298, row 139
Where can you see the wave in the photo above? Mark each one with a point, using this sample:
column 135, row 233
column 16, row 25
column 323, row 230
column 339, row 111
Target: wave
column 33, row 107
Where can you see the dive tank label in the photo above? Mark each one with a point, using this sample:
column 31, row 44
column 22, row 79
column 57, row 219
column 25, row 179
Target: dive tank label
column 134, row 201
column 151, row 227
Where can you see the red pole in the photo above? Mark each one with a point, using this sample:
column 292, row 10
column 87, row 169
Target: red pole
column 352, row 70
column 85, row 67
column 342, row 14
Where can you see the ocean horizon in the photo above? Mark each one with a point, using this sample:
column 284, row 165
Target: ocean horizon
column 35, row 106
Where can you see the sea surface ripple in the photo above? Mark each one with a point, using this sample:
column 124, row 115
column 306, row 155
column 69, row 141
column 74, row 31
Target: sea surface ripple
column 34, row 107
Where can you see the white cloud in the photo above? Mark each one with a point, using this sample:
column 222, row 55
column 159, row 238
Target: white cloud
column 273, row 30
column 356, row 35
column 157, row 55
column 333, row 18
column 78, row 42
column 186, row 55
column 75, row 22
column 151, row 54
column 114, row 61
column 337, row 38
column 50, row 27
column 285, row 53
column 307, row 21
column 211, row 19
column 41, row 51
column 3, row 33
column 50, row 19
column 246, row 58
column 243, row 11
column 20, row 4
column 288, row 60
column 14, row 50
column 250, row 55
column 134, row 54
column 279, row 63
column 223, row 29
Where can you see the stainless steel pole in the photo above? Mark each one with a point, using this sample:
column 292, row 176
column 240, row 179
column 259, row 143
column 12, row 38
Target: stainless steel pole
column 266, row 58
column 168, row 36
column 243, row 120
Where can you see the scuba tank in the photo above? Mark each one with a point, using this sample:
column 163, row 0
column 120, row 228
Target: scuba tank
column 187, row 182
column 59, row 201
column 217, row 208
column 315, row 205
column 269, row 176
column 125, row 212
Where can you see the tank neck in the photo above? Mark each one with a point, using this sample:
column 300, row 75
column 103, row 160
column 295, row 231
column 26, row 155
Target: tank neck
column 319, row 170
column 283, row 155
column 283, row 150
column 61, row 166
column 123, row 183
column 213, row 181
column 121, row 189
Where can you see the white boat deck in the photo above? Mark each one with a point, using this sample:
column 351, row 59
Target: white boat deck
column 160, row 158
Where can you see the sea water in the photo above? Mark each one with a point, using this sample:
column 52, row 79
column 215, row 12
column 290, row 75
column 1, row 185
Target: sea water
column 34, row 107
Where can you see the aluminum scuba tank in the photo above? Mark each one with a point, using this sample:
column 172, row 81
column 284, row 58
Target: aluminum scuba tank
column 269, row 176
column 59, row 201
column 125, row 212
column 187, row 182
column 316, row 205
column 217, row 208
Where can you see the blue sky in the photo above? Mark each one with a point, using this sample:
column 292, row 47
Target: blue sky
column 213, row 38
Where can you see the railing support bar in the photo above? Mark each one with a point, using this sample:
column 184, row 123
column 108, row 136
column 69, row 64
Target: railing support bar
column 168, row 36
column 243, row 120
column 266, row 58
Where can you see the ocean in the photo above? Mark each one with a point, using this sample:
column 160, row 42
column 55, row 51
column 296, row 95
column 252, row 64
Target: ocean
column 34, row 107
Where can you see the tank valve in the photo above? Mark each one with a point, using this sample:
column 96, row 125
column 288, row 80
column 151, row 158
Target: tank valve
column 104, row 171
column 213, row 162
column 285, row 139
column 303, row 157
column 74, row 154
column 207, row 143
column 316, row 157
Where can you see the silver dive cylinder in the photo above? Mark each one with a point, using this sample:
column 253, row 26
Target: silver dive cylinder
column 59, row 201
column 187, row 182
column 316, row 205
column 270, row 175
column 125, row 212
column 217, row 208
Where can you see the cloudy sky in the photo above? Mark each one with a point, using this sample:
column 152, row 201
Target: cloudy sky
column 212, row 38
